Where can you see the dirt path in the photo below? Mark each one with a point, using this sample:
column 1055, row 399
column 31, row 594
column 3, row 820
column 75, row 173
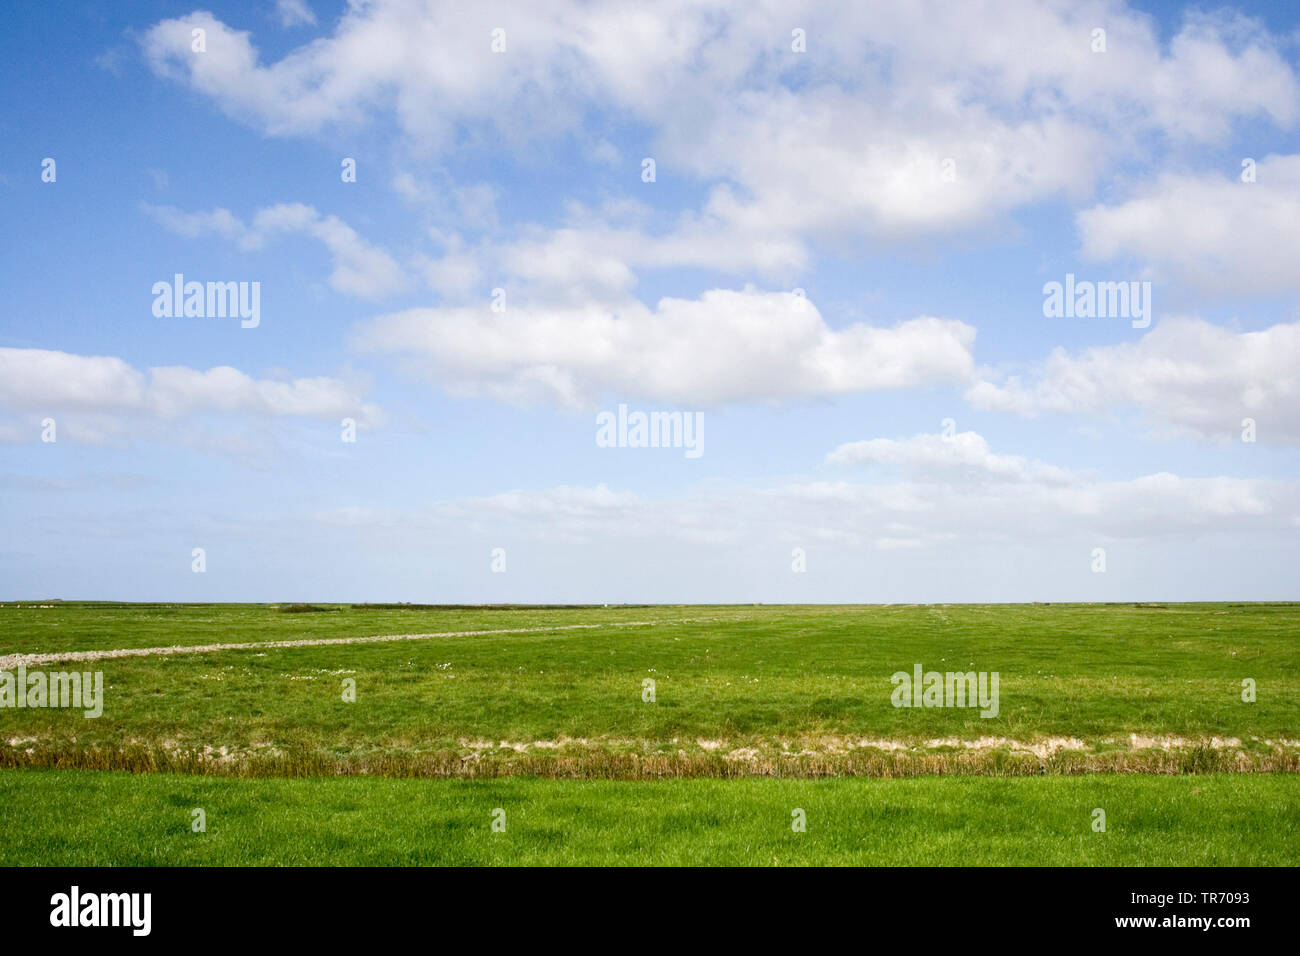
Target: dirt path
column 10, row 661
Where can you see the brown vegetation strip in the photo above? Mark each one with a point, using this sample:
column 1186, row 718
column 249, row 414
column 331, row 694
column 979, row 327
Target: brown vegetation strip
column 633, row 766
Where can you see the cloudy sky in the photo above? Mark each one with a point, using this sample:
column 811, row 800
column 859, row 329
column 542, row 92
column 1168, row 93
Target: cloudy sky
column 822, row 230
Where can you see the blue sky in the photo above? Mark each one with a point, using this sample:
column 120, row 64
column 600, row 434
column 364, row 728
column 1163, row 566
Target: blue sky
column 776, row 170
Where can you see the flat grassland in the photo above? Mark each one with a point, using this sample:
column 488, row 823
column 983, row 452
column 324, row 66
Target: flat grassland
column 83, row 818
column 1135, row 709
column 788, row 691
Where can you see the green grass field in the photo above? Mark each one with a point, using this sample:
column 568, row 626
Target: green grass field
column 1137, row 709
column 95, row 818
column 790, row 690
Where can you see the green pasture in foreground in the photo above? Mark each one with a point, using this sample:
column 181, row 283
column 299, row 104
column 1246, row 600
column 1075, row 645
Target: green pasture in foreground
column 87, row 818
column 738, row 689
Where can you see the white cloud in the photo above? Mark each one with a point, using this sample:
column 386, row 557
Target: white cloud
column 966, row 453
column 39, row 378
column 1212, row 233
column 294, row 13
column 725, row 346
column 471, row 206
column 98, row 391
column 175, row 391
column 595, row 254
column 945, row 512
column 429, row 63
column 1013, row 95
column 846, row 138
column 360, row 269
column 567, row 512
column 881, row 172
column 852, row 139
column 1185, row 375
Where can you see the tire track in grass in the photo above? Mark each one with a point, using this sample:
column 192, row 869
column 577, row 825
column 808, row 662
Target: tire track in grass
column 10, row 661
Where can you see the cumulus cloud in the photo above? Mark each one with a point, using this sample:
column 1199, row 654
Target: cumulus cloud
column 882, row 172
column 1185, row 376
column 404, row 53
column 1012, row 93
column 360, row 269
column 973, row 119
column 885, row 128
column 1212, row 233
column 430, row 63
column 99, row 390
column 596, row 254
column 725, row 346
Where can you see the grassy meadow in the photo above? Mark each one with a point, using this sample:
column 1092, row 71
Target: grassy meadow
column 756, row 710
column 80, row 818
column 791, row 691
